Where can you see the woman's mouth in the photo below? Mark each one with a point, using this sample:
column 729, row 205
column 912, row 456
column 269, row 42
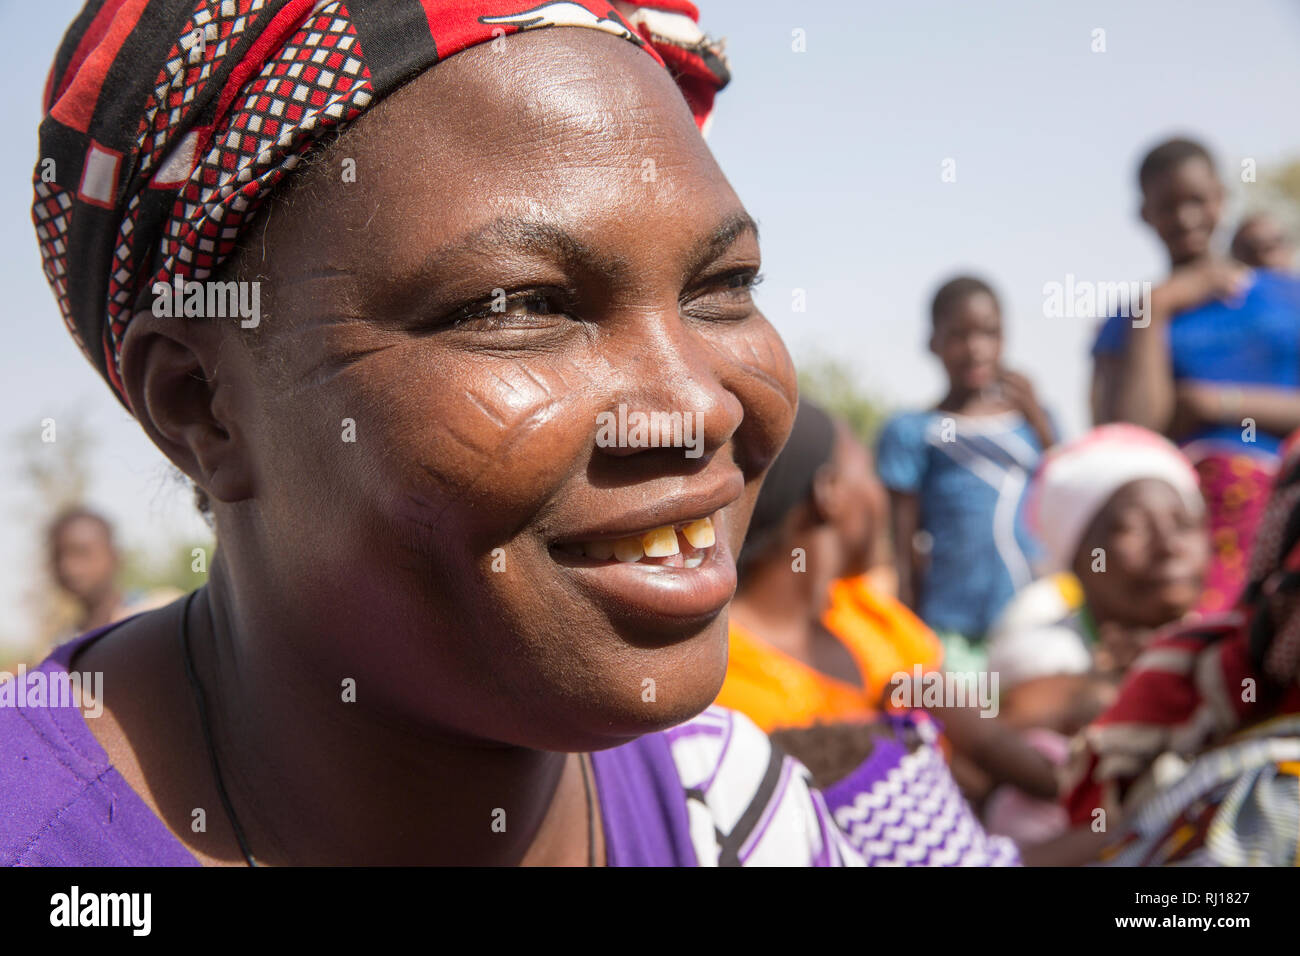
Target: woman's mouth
column 670, row 573
column 682, row 545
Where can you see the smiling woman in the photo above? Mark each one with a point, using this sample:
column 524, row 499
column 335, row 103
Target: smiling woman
column 427, row 637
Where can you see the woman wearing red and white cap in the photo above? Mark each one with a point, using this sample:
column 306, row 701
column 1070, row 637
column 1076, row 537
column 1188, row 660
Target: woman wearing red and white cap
column 1122, row 521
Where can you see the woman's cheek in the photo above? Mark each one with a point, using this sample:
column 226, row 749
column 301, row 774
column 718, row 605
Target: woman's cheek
column 500, row 437
column 1197, row 548
column 758, row 369
column 1127, row 560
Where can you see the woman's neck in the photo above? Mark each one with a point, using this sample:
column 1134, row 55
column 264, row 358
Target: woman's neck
column 318, row 774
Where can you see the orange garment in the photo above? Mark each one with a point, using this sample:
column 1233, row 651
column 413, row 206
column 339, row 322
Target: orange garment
column 776, row 690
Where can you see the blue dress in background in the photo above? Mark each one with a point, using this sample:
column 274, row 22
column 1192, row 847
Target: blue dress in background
column 969, row 474
column 1253, row 343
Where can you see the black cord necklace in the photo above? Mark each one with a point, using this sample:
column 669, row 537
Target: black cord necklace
column 207, row 732
column 202, row 703
column 591, row 812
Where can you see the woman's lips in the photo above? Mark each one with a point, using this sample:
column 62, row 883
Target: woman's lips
column 686, row 541
column 680, row 571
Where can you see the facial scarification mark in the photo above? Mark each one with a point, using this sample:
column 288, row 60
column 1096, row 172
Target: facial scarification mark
column 470, row 444
column 526, row 392
column 521, row 430
column 760, row 367
column 504, row 382
column 558, row 375
column 485, row 409
column 540, row 384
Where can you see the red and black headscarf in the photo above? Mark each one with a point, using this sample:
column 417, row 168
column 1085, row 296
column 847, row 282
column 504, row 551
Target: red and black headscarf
column 168, row 122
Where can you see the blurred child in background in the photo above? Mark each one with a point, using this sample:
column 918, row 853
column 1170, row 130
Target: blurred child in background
column 1198, row 760
column 86, row 563
column 1261, row 243
column 1213, row 361
column 956, row 474
column 1122, row 521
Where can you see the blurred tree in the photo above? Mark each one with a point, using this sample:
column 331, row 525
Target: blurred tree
column 53, row 463
column 836, row 385
column 54, row 460
column 143, row 571
column 1277, row 192
column 1286, row 180
column 53, row 466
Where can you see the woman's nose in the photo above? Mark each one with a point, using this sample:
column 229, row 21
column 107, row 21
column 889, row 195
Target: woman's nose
column 673, row 382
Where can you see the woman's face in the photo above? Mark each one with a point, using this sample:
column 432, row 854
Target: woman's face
column 1156, row 551
column 535, row 235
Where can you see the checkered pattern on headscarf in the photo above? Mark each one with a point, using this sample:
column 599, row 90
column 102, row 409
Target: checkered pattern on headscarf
column 168, row 122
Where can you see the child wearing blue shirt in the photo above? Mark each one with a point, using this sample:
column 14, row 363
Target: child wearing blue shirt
column 1212, row 362
column 956, row 475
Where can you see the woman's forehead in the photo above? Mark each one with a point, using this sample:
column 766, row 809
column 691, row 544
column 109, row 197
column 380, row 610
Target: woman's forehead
column 548, row 100
column 564, row 132
column 1145, row 494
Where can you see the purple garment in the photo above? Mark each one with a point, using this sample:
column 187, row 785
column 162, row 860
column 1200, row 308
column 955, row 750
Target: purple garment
column 63, row 804
column 643, row 805
column 902, row 807
column 61, row 801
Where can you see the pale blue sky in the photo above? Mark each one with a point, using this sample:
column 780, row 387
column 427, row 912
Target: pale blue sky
column 837, row 152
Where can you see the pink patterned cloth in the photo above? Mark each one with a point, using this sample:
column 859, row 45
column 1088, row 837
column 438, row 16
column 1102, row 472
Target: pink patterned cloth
column 1236, row 489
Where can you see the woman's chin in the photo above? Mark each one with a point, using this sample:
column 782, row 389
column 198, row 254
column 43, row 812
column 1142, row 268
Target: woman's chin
column 656, row 706
column 1169, row 604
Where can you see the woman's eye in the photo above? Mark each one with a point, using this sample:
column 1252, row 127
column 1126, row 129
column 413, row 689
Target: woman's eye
column 532, row 305
column 727, row 296
column 503, row 308
column 743, row 280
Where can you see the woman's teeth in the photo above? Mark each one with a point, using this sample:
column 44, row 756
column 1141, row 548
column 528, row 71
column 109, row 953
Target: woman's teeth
column 600, row 550
column 699, row 533
column 628, row 550
column 663, row 542
column 659, row 543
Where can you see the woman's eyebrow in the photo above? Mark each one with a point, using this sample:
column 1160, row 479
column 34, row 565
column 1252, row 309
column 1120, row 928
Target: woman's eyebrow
column 540, row 237
column 721, row 238
column 534, row 235
column 544, row 237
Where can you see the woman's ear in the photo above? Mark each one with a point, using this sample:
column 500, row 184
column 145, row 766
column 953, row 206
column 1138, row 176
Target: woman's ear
column 185, row 392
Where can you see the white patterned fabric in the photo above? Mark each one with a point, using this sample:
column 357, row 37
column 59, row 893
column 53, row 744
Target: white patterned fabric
column 749, row 804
